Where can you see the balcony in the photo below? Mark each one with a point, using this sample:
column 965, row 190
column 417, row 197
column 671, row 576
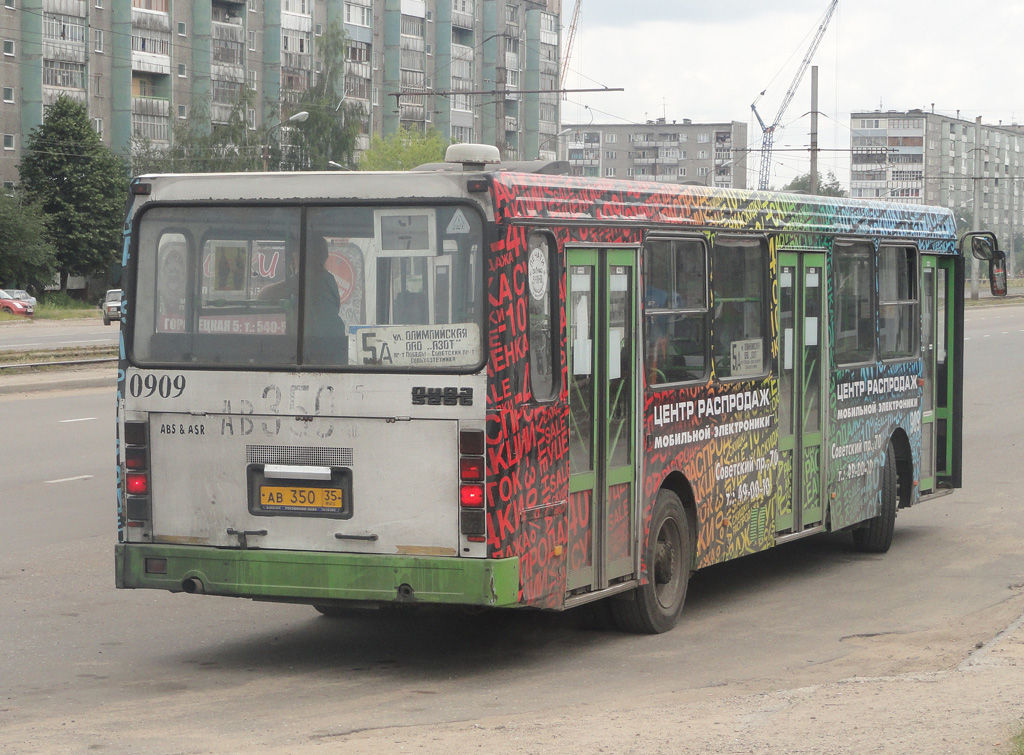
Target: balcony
column 462, row 20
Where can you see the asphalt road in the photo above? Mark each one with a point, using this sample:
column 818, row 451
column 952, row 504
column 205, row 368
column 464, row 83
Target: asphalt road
column 90, row 668
column 57, row 334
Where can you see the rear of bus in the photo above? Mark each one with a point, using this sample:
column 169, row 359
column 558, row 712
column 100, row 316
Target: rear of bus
column 302, row 391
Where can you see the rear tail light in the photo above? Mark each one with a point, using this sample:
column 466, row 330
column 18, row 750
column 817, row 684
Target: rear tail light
column 137, row 483
column 138, row 509
column 471, row 469
column 472, row 498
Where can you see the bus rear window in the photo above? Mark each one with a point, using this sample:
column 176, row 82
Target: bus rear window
column 330, row 287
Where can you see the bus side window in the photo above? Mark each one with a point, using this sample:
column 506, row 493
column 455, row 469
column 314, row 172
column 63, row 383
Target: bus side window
column 542, row 332
column 740, row 268
column 675, row 310
column 897, row 302
column 854, row 309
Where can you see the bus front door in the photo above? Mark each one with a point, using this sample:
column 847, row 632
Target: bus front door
column 601, row 303
column 801, row 390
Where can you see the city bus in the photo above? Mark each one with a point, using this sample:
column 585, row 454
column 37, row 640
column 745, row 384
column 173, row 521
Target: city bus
column 495, row 385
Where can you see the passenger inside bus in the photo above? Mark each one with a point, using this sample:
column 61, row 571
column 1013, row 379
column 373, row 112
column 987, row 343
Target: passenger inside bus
column 326, row 339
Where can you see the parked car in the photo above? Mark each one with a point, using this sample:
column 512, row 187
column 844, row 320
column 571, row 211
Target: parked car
column 17, row 293
column 112, row 306
column 15, row 306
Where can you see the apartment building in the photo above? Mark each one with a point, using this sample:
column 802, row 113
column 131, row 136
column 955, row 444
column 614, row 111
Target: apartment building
column 707, row 154
column 476, row 70
column 927, row 158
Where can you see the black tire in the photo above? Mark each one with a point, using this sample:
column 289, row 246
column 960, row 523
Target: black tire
column 875, row 535
column 106, row 320
column 654, row 608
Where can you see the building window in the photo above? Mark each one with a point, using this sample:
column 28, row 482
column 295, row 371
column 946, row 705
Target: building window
column 182, row 111
column 609, row 172
column 8, row 184
column 99, row 4
column 226, row 92
column 153, row 127
column 682, row 171
column 8, row 141
column 97, row 35
column 157, row 5
column 8, row 47
column 181, row 70
column 97, row 125
column 8, row 94
column 609, row 138
column 182, row 29
column 252, row 40
column 9, row 4
column 610, row 155
column 252, row 6
column 357, row 15
column 319, row 31
column 58, row 73
column 60, row 28
column 156, row 42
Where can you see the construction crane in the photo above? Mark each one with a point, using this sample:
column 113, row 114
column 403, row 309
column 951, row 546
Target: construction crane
column 570, row 35
column 768, row 132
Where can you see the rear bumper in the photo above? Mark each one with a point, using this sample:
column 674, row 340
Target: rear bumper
column 305, row 577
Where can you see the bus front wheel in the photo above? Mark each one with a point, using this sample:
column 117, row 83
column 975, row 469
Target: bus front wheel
column 875, row 536
column 654, row 607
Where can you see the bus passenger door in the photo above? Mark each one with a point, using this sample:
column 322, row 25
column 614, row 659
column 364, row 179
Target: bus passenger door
column 601, row 302
column 802, row 388
column 928, row 359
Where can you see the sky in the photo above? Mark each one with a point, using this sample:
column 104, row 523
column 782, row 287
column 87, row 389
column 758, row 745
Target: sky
column 708, row 60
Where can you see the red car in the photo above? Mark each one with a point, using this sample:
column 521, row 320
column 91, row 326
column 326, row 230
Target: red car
column 15, row 306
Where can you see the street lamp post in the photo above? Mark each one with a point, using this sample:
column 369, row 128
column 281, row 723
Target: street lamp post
column 299, row 117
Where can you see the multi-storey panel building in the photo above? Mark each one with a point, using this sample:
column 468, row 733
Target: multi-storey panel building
column 928, row 158
column 476, row 70
column 709, row 154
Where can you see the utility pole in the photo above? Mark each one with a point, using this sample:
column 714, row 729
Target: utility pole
column 976, row 218
column 812, row 187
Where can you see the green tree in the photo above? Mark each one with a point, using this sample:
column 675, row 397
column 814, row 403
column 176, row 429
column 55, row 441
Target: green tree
column 329, row 133
column 81, row 187
column 827, row 187
column 27, row 259
column 403, row 150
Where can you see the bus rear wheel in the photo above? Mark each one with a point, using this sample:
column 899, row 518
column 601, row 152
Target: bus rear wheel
column 875, row 536
column 654, row 608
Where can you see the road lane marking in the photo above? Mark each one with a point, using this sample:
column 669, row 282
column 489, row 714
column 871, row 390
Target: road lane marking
column 70, row 479
column 79, row 419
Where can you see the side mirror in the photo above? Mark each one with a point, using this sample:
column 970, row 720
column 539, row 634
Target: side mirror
column 983, row 244
column 997, row 273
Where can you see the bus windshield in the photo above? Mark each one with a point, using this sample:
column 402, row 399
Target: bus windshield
column 372, row 288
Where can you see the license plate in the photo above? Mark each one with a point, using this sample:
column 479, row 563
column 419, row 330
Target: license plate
column 289, row 498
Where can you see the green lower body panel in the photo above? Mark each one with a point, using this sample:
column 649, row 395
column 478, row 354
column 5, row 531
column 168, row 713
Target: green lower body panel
column 306, row 577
